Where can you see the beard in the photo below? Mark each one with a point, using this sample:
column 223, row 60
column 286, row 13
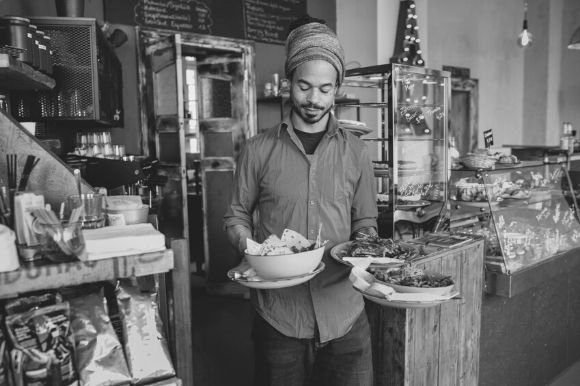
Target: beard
column 310, row 112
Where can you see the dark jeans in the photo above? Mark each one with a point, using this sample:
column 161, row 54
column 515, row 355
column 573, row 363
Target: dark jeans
column 284, row 361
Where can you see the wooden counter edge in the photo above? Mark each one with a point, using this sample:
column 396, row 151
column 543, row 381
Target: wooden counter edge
column 53, row 276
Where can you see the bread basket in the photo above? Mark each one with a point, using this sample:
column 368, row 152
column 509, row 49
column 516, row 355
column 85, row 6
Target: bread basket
column 478, row 161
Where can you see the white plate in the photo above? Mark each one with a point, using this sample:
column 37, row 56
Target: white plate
column 403, row 303
column 259, row 283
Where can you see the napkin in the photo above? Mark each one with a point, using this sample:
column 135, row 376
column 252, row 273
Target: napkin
column 365, row 282
column 365, row 262
column 122, row 240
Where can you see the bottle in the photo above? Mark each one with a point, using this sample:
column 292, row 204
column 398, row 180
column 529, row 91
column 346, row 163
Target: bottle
column 572, row 142
column 452, row 155
column 565, row 137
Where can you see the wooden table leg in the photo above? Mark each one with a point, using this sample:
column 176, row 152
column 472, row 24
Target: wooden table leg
column 182, row 313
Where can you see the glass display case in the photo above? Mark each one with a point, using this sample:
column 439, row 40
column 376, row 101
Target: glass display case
column 410, row 108
column 526, row 212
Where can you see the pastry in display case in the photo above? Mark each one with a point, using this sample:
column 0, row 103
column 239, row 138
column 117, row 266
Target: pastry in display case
column 409, row 146
column 526, row 212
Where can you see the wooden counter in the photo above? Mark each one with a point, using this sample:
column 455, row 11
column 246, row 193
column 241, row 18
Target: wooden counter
column 437, row 345
column 52, row 276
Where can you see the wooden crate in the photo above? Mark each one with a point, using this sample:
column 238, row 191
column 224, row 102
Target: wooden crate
column 436, row 346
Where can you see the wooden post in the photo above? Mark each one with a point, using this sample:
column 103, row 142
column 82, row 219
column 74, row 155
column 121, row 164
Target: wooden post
column 181, row 328
column 436, row 346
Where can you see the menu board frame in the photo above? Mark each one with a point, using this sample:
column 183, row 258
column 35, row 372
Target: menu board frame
column 264, row 21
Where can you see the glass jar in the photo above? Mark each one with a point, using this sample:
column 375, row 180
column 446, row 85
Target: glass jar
column 49, row 57
column 14, row 33
column 42, row 50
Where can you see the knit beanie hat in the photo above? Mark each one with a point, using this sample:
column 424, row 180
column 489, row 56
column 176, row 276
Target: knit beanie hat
column 313, row 41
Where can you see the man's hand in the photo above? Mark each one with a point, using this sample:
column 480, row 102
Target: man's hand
column 368, row 231
column 238, row 235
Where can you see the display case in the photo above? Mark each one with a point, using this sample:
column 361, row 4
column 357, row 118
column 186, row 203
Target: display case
column 410, row 108
column 527, row 212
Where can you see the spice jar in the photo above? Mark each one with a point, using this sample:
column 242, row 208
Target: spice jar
column 49, row 58
column 13, row 32
column 42, row 50
column 35, row 54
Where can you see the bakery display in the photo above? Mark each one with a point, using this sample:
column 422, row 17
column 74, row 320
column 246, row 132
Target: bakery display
column 526, row 213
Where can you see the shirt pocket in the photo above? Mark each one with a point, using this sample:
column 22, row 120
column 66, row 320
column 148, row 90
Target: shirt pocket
column 334, row 184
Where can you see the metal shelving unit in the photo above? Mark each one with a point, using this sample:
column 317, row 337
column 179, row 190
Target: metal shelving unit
column 412, row 105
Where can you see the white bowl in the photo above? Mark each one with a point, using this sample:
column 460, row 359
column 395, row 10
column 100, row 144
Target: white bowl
column 285, row 266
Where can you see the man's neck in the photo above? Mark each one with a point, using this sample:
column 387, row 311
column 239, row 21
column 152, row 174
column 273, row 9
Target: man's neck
column 299, row 124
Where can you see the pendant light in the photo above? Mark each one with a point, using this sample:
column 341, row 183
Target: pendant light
column 575, row 41
column 525, row 38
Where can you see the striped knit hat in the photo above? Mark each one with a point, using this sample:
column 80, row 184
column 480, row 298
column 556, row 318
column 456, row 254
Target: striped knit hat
column 313, row 41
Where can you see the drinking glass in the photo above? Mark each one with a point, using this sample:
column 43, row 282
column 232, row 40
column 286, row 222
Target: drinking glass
column 91, row 216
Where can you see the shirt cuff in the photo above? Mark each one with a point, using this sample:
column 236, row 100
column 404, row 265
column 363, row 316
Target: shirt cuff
column 363, row 223
column 237, row 221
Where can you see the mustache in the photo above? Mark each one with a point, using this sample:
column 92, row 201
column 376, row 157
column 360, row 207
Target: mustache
column 312, row 106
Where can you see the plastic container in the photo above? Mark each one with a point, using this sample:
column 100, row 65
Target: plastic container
column 14, row 33
column 62, row 241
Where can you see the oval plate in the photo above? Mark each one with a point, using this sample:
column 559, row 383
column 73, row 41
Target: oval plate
column 258, row 283
column 401, row 303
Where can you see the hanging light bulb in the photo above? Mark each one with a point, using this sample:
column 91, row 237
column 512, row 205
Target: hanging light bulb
column 525, row 38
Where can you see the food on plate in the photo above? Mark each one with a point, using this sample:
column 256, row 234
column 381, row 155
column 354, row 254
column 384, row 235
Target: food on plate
column 468, row 189
column 507, row 159
column 411, row 276
column 514, row 190
column 380, row 247
column 409, row 198
column 290, row 242
column 483, row 152
column 382, row 198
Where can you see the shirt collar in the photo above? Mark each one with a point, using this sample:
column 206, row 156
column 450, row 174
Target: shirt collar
column 332, row 126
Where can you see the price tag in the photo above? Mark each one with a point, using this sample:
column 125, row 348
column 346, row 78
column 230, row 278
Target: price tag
column 488, row 138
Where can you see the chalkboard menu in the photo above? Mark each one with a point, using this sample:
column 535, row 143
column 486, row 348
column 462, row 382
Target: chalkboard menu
column 268, row 20
column 259, row 20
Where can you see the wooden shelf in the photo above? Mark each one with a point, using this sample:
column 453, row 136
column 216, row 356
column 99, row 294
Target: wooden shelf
column 52, row 276
column 15, row 75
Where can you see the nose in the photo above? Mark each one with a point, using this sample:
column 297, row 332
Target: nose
column 313, row 96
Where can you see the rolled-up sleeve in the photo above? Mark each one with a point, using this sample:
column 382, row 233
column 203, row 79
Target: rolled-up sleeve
column 245, row 190
column 364, row 205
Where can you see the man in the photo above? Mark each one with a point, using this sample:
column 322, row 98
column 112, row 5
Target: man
column 305, row 172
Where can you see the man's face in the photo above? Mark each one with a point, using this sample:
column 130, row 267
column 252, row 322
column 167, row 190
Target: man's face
column 313, row 89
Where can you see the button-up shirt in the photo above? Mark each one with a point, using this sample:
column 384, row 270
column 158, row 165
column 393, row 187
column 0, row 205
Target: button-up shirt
column 290, row 189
